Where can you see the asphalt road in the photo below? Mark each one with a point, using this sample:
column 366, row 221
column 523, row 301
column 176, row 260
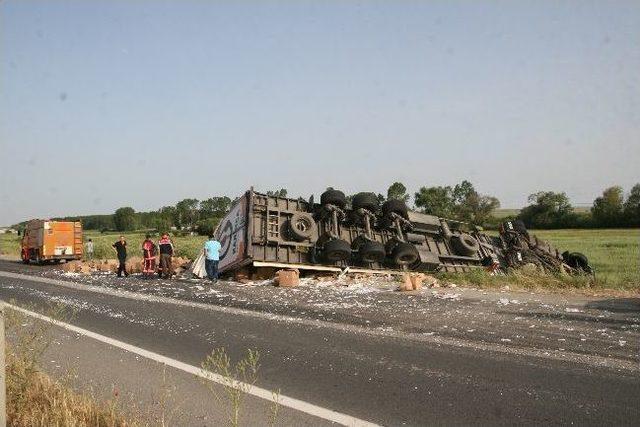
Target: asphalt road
column 390, row 375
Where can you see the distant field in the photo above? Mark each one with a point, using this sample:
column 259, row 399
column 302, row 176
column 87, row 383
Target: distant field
column 615, row 254
column 503, row 213
column 188, row 246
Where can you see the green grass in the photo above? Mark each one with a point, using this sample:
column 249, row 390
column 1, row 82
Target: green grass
column 506, row 212
column 503, row 213
column 615, row 254
column 187, row 246
column 10, row 244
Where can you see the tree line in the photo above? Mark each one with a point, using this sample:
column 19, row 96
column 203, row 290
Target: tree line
column 546, row 209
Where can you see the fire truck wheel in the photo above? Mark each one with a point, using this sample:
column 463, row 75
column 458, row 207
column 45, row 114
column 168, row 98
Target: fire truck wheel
column 301, row 225
column 404, row 254
column 337, row 250
column 394, row 206
column 333, row 197
column 371, row 251
column 464, row 244
column 368, row 201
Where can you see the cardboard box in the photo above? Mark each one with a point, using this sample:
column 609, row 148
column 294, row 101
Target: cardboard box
column 287, row 278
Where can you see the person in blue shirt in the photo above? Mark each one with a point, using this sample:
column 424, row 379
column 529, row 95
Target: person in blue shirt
column 212, row 257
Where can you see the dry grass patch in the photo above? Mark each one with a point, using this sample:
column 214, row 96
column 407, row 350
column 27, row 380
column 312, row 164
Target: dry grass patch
column 33, row 398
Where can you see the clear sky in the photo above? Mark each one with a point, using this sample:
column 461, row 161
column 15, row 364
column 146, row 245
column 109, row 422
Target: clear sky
column 142, row 103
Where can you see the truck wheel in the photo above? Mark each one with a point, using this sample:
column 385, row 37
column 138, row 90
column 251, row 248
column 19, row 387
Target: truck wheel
column 404, row 254
column 371, row 251
column 464, row 244
column 301, row 225
column 25, row 257
column 333, row 197
column 368, row 201
column 395, row 206
column 337, row 250
column 577, row 260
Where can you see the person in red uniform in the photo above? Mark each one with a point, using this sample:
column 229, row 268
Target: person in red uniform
column 149, row 256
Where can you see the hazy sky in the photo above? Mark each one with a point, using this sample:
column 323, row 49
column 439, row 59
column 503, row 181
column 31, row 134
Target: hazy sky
column 142, row 103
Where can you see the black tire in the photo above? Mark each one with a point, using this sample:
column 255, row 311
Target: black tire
column 336, row 250
column 301, row 225
column 25, row 257
column 464, row 244
column 368, row 201
column 404, row 254
column 395, row 206
column 371, row 251
column 579, row 261
column 333, row 197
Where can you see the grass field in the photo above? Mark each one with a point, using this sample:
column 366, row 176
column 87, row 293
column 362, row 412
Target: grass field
column 615, row 253
column 506, row 212
column 187, row 246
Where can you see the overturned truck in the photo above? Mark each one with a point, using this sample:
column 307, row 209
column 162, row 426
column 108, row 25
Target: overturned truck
column 269, row 231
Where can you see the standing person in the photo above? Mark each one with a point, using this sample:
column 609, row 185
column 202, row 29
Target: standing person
column 149, row 256
column 120, row 248
column 90, row 250
column 212, row 257
column 166, row 249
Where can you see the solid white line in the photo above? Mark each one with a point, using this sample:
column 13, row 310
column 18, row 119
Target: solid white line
column 253, row 390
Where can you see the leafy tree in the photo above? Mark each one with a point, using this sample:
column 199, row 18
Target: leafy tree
column 207, row 226
column 607, row 209
column 186, row 213
column 436, row 201
column 214, row 207
column 125, row 219
column 398, row 191
column 548, row 210
column 471, row 206
column 278, row 193
column 166, row 218
column 632, row 207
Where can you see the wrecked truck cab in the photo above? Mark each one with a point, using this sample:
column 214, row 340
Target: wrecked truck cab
column 270, row 231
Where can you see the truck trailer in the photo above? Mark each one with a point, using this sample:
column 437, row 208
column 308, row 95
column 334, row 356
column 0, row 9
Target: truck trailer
column 365, row 236
column 46, row 241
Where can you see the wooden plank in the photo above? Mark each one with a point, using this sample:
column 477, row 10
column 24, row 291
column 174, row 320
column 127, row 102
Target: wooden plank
column 324, row 268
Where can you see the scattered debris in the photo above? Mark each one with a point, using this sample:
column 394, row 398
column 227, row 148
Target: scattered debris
column 288, row 278
column 133, row 265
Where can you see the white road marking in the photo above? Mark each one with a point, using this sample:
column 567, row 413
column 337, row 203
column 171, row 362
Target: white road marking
column 475, row 346
column 290, row 402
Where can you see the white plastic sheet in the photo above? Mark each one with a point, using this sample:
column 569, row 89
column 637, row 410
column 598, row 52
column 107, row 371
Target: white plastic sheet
column 197, row 268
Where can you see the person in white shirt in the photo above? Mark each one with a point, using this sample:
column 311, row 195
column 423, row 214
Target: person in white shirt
column 89, row 251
